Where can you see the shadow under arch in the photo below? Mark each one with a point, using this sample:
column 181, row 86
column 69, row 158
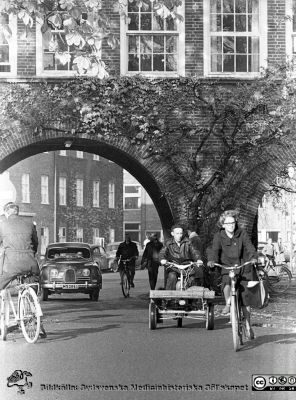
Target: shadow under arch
column 108, row 151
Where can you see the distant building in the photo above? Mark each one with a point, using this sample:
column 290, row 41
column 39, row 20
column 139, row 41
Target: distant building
column 71, row 195
column 139, row 214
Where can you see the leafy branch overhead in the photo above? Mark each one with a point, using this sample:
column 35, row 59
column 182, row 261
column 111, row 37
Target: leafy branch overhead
column 78, row 28
column 213, row 138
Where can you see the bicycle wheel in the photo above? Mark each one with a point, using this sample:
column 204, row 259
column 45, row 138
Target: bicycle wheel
column 125, row 285
column 30, row 312
column 281, row 281
column 152, row 315
column 234, row 313
column 4, row 317
column 210, row 316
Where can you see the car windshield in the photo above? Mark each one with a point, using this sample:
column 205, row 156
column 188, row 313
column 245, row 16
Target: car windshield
column 70, row 252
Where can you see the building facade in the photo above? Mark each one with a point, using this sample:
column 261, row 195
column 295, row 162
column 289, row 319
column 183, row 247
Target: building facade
column 71, row 195
column 140, row 217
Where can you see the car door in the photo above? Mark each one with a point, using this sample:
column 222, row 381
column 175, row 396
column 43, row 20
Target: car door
column 103, row 255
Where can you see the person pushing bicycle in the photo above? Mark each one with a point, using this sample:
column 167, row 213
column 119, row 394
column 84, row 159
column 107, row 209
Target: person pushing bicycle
column 179, row 249
column 128, row 250
column 19, row 241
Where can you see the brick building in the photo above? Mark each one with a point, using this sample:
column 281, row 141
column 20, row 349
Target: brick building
column 226, row 40
column 71, row 196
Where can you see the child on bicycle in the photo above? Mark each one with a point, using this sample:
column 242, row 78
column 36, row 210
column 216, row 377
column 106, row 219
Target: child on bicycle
column 232, row 245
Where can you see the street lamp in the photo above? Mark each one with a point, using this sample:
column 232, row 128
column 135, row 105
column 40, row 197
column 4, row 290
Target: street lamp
column 291, row 172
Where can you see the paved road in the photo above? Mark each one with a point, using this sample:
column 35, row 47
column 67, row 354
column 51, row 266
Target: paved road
column 109, row 344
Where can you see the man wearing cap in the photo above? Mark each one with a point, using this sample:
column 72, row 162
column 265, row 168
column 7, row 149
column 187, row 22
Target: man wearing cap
column 19, row 239
column 150, row 258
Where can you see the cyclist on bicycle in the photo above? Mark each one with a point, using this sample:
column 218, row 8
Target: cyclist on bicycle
column 232, row 245
column 128, row 250
column 19, row 239
column 178, row 250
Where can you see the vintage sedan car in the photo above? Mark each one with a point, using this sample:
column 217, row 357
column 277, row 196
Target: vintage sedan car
column 71, row 267
column 111, row 250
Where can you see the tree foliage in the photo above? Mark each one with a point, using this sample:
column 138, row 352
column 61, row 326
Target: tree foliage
column 85, row 23
column 215, row 139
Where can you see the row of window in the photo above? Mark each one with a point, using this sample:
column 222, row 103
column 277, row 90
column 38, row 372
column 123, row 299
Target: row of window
column 62, row 191
column 235, row 41
column 79, row 154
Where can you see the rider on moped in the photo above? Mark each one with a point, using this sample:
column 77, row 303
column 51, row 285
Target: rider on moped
column 178, row 250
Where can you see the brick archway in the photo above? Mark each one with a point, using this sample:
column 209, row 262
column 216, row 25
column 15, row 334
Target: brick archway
column 147, row 173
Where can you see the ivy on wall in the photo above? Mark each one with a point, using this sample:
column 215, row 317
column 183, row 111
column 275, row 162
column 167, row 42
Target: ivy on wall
column 217, row 139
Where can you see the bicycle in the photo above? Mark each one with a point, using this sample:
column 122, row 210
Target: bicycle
column 27, row 314
column 278, row 277
column 125, row 275
column 238, row 322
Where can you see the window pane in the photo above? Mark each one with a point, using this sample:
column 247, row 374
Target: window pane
column 146, row 63
column 131, row 203
column 228, row 6
column 170, row 24
column 133, row 62
column 158, row 23
column 241, row 44
column 216, row 44
column 241, row 63
column 4, row 54
column 171, row 44
column 228, row 63
column 254, row 63
column 132, row 189
column 216, row 63
column 240, row 6
column 216, row 24
column 132, row 226
column 146, row 44
column 228, row 44
column 146, row 23
column 134, row 22
column 158, row 44
column 215, row 6
column 171, row 63
column 228, row 23
column 158, row 62
column 133, row 6
column 241, row 23
column 133, row 44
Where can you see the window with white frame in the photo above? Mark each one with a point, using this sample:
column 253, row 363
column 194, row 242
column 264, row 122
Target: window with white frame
column 96, row 236
column 111, row 235
column 79, row 192
column 54, row 56
column 235, row 39
column 8, row 44
column 62, row 234
column 63, row 153
column 44, row 189
column 96, row 193
column 25, row 188
column 132, row 197
column 134, row 230
column 79, row 234
column 62, row 191
column 79, row 154
column 111, row 195
column 96, row 157
column 291, row 29
column 151, row 44
column 44, row 236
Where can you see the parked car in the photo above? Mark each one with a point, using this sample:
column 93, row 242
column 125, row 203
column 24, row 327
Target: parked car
column 111, row 250
column 71, row 267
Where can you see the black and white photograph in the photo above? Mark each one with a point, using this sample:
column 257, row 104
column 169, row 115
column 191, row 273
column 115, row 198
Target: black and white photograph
column 148, row 199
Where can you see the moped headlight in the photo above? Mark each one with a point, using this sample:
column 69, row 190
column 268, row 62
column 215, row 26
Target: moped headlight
column 85, row 272
column 182, row 302
column 231, row 274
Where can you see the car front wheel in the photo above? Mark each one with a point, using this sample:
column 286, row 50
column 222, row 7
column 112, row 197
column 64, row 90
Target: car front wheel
column 44, row 294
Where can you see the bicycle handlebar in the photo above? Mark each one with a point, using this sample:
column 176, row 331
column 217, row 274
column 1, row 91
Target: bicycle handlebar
column 180, row 266
column 234, row 267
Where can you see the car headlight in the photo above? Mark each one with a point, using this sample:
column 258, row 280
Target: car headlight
column 54, row 273
column 85, row 272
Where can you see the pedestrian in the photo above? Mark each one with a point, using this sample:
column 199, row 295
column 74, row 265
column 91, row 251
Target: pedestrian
column 269, row 251
column 147, row 240
column 279, row 249
column 150, row 259
column 232, row 245
column 128, row 250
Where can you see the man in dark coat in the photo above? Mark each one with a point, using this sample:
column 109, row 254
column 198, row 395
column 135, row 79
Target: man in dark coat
column 178, row 250
column 150, row 259
column 19, row 240
column 128, row 250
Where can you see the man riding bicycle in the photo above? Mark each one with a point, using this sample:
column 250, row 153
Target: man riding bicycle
column 18, row 237
column 128, row 250
column 178, row 250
